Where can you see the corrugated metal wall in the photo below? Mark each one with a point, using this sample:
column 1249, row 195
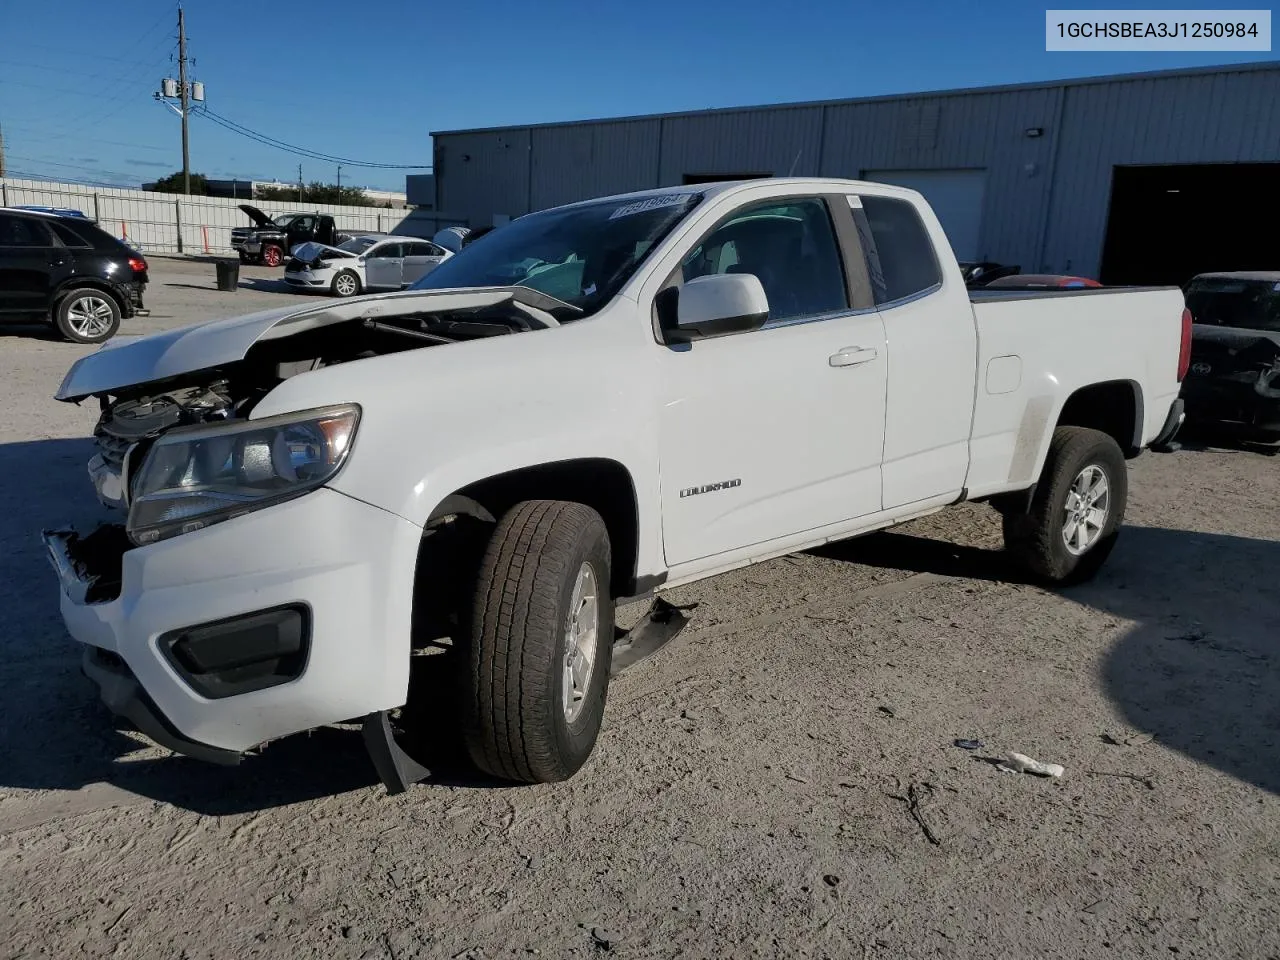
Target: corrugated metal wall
column 1046, row 197
column 1229, row 117
column 155, row 220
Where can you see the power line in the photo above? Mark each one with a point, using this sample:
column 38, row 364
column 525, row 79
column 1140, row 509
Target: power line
column 302, row 151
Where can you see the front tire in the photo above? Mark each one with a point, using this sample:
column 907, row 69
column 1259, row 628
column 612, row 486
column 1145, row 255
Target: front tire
column 87, row 315
column 1077, row 510
column 272, row 255
column 541, row 643
column 345, row 283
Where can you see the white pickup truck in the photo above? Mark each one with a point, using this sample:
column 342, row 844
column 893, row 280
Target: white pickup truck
column 594, row 402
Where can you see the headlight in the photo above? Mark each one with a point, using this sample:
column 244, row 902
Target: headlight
column 197, row 476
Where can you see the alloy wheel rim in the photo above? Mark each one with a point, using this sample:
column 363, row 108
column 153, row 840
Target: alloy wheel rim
column 582, row 640
column 89, row 317
column 1086, row 510
column 346, row 286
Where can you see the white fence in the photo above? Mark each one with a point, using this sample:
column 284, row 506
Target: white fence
column 168, row 223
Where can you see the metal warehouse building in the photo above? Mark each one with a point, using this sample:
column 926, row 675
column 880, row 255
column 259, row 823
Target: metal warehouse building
column 1140, row 178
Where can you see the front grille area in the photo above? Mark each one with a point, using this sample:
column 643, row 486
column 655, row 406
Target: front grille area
column 112, row 448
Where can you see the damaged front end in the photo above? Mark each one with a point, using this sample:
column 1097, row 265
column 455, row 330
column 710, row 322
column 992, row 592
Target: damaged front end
column 1234, row 380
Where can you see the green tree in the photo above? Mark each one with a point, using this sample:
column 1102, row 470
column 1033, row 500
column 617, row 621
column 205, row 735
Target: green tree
column 317, row 192
column 173, row 184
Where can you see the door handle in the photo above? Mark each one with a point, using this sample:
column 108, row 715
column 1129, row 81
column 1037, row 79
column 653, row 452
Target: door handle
column 852, row 356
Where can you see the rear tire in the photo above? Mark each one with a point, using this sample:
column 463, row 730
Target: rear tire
column 531, row 717
column 345, row 283
column 87, row 315
column 1077, row 510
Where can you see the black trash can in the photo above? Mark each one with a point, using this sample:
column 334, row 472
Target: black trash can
column 228, row 275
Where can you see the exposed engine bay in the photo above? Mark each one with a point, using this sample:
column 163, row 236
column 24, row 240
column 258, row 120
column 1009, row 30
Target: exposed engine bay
column 134, row 417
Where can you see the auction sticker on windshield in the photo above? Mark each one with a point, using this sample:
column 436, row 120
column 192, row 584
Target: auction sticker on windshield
column 653, row 203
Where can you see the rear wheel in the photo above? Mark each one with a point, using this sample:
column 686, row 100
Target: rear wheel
column 87, row 315
column 345, row 284
column 1078, row 508
column 272, row 255
column 541, row 643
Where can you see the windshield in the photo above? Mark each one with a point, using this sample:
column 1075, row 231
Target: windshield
column 357, row 244
column 581, row 255
column 1223, row 302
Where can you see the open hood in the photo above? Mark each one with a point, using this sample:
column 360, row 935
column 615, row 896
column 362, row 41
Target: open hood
column 137, row 361
column 259, row 218
column 306, row 252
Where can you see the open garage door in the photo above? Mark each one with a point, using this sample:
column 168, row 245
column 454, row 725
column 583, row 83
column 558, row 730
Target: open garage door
column 956, row 197
column 1168, row 223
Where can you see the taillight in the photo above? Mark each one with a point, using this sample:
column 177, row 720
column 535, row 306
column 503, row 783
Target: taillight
column 1184, row 352
column 137, row 264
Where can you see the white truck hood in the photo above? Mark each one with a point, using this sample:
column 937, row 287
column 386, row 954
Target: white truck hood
column 136, row 361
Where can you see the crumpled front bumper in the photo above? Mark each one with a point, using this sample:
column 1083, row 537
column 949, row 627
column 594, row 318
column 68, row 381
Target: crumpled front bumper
column 170, row 628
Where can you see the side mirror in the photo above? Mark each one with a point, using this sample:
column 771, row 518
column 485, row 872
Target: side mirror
column 718, row 305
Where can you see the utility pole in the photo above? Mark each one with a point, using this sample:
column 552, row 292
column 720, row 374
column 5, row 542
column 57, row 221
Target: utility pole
column 299, row 183
column 339, row 169
column 2, row 152
column 184, row 93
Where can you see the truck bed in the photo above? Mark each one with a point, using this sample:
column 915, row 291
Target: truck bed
column 1037, row 347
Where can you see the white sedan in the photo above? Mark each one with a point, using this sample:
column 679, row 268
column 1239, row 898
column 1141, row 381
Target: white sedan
column 365, row 262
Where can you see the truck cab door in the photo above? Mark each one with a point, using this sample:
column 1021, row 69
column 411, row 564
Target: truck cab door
column 929, row 320
column 772, row 432
column 301, row 229
column 420, row 258
column 28, row 260
column 384, row 266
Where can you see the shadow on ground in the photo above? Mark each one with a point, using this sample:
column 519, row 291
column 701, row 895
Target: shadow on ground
column 31, row 331
column 1201, row 437
column 57, row 735
column 1200, row 672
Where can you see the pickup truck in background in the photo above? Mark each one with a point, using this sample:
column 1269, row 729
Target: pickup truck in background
column 270, row 239
column 596, row 402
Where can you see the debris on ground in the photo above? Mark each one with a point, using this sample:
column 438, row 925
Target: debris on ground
column 886, row 710
column 1145, row 781
column 603, row 938
column 912, row 799
column 1020, row 763
column 970, row 744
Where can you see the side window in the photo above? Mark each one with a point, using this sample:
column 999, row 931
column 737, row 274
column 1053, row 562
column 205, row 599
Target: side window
column 22, row 232
column 68, row 236
column 420, row 250
column 303, row 224
column 791, row 248
column 900, row 259
column 388, row 251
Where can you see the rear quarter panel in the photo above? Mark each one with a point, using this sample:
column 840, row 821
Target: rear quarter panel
column 1033, row 354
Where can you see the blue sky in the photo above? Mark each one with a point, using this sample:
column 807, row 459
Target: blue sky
column 371, row 80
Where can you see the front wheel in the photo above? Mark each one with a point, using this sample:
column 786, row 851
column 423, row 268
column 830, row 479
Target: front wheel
column 1076, row 513
column 87, row 315
column 345, row 284
column 541, row 643
column 272, row 255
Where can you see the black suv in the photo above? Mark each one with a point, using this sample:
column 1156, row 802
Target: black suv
column 68, row 271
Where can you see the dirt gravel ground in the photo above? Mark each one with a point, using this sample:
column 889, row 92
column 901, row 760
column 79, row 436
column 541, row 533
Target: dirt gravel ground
column 782, row 781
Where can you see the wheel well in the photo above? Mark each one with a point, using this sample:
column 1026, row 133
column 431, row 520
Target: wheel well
column 603, row 485
column 80, row 283
column 1114, row 407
